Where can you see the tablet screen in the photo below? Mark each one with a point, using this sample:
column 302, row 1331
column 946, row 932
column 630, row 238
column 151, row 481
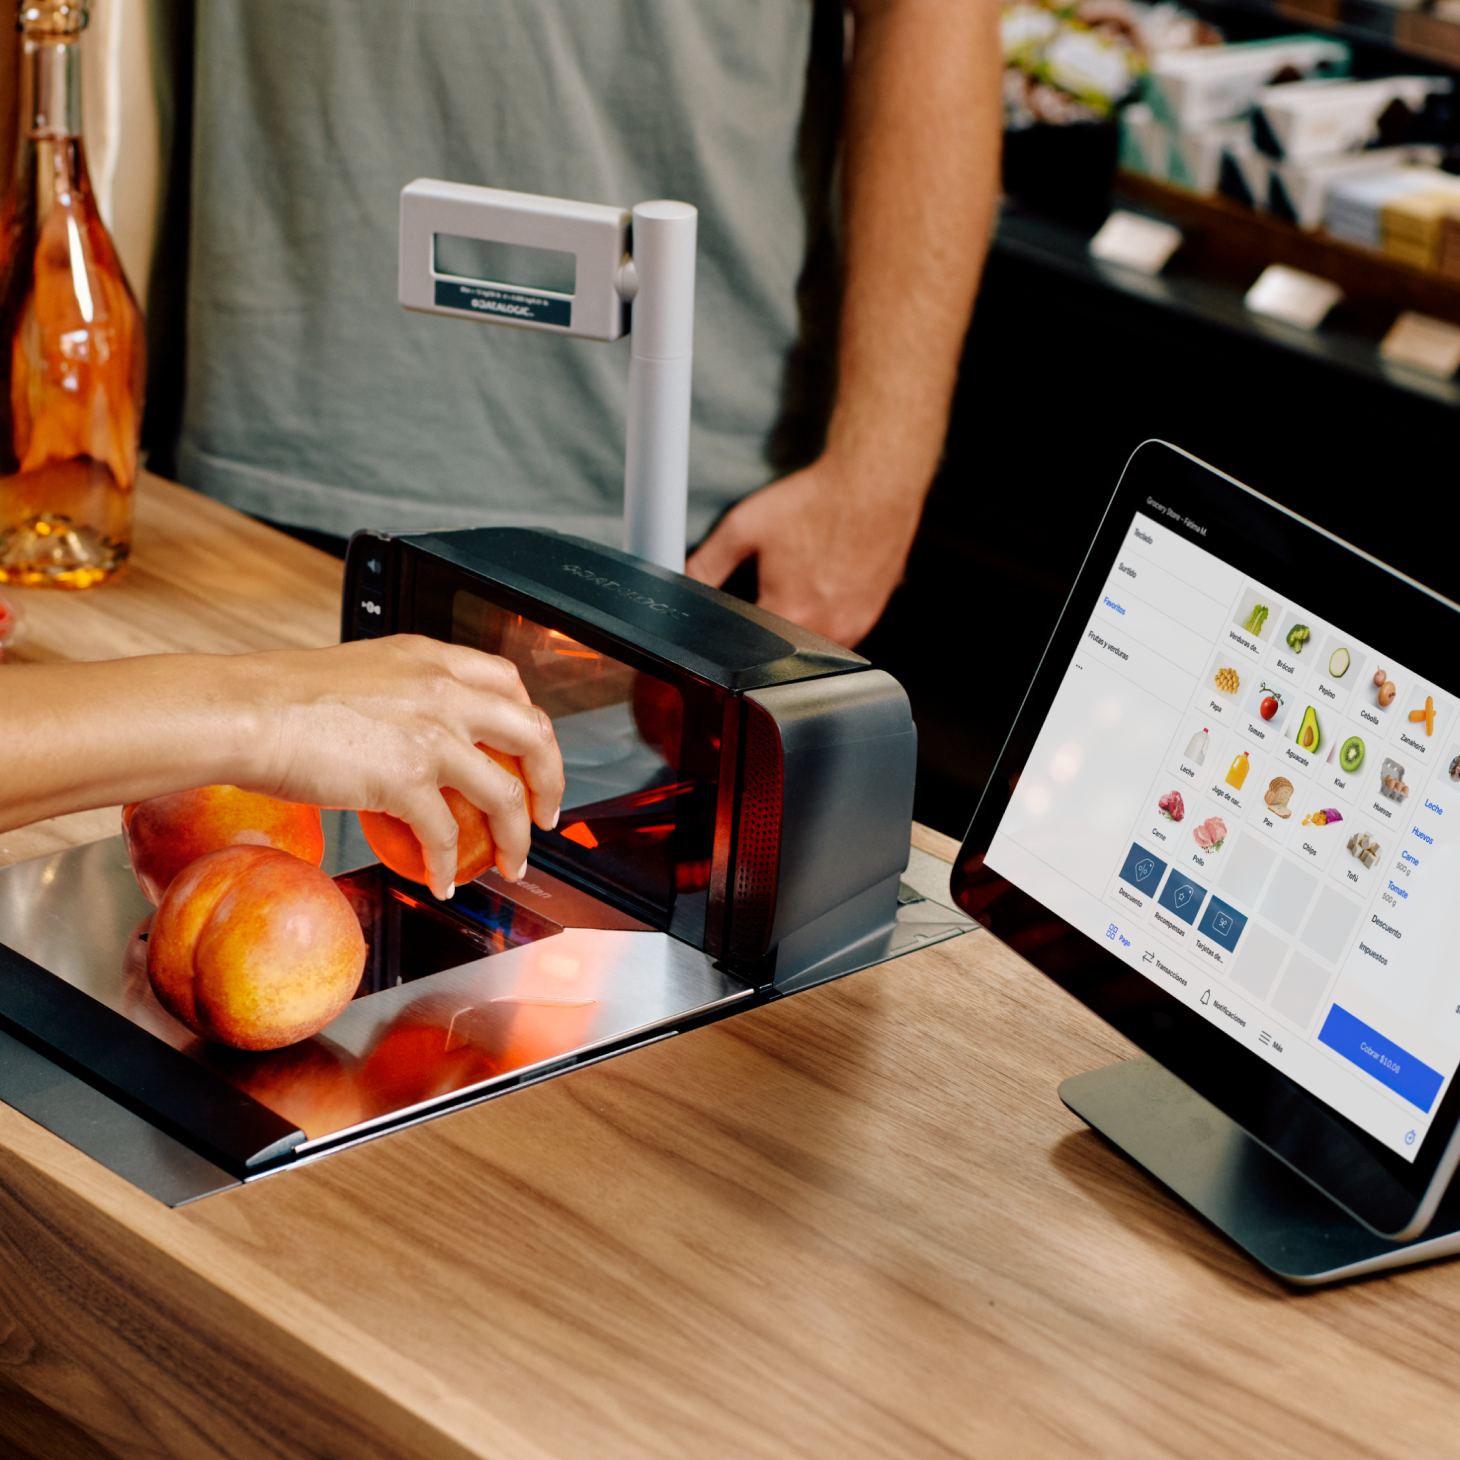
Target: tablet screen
column 1255, row 805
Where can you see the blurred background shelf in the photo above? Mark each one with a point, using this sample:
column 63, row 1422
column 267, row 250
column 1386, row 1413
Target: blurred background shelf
column 1418, row 33
column 1231, row 244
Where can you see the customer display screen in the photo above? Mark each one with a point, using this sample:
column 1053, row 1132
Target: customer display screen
column 1257, row 807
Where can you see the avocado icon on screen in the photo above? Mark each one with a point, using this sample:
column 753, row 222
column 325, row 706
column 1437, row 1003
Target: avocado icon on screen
column 1307, row 737
column 1351, row 754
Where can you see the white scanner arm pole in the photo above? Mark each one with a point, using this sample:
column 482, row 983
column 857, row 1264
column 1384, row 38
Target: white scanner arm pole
column 656, row 466
column 644, row 260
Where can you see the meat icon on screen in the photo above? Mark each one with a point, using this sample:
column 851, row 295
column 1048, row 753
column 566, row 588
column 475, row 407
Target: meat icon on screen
column 1211, row 834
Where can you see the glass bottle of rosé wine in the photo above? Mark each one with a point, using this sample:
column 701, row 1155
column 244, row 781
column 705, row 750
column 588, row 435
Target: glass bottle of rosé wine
column 72, row 346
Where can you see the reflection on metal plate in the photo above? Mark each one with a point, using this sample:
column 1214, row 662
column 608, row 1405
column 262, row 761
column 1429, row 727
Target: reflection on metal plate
column 503, row 987
column 428, row 1036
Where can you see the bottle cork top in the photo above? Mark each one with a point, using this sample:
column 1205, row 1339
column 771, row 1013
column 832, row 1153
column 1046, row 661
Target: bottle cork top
column 52, row 17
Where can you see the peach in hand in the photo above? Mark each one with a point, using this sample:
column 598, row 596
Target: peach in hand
column 393, row 841
column 167, row 833
column 254, row 948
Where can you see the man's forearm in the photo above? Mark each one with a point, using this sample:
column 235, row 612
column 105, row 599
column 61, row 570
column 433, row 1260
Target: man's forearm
column 920, row 169
column 920, row 161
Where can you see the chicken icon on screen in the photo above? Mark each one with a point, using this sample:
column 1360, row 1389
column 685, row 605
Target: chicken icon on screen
column 1184, row 894
column 1144, row 868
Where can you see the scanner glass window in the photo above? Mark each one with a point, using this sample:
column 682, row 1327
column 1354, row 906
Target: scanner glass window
column 641, row 765
column 516, row 264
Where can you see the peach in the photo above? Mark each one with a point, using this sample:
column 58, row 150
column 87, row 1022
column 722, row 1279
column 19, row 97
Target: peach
column 254, row 948
column 165, row 834
column 393, row 841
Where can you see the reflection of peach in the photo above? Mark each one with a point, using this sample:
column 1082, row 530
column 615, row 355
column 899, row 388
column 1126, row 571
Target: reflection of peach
column 308, row 1084
column 396, row 845
column 658, row 714
column 254, row 948
column 166, row 833
column 420, row 1057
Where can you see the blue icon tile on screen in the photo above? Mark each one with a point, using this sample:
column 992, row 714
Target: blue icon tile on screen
column 1222, row 924
column 1142, row 870
column 1182, row 896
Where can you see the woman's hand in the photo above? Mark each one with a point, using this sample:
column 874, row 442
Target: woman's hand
column 384, row 724
column 377, row 725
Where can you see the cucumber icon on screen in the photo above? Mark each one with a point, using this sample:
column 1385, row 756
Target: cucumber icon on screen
column 1338, row 665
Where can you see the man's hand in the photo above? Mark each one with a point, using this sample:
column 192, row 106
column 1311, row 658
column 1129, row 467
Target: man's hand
column 920, row 176
column 830, row 546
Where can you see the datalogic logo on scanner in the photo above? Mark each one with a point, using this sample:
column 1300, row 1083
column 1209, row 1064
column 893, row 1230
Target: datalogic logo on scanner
column 511, row 306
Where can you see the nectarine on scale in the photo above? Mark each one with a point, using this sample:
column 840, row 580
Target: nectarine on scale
column 393, row 841
column 254, row 948
column 165, row 834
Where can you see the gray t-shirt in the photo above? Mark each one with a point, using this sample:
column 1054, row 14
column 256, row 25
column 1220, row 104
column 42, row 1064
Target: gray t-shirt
column 314, row 398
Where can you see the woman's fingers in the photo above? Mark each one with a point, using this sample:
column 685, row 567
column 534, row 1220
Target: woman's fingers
column 503, row 799
column 436, row 830
column 480, row 670
column 526, row 732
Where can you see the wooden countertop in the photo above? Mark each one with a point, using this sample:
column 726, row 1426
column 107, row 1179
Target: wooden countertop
column 856, row 1223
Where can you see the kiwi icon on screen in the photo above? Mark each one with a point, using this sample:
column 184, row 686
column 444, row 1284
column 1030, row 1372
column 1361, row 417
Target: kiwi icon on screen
column 1351, row 754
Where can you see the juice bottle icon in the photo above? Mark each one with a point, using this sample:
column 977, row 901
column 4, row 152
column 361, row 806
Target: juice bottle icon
column 1238, row 772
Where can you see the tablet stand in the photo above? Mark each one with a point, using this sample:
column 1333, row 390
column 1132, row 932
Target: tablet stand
column 1274, row 1215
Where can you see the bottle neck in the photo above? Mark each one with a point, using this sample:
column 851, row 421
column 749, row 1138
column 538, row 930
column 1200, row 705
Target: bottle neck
column 50, row 87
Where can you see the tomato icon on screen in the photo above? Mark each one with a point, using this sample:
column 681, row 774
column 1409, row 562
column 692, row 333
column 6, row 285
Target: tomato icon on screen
column 1268, row 708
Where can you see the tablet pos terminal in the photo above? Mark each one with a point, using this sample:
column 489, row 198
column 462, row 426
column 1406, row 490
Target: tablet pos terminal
column 1227, row 819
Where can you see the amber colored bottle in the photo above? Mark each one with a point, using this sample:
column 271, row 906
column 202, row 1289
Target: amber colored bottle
column 72, row 348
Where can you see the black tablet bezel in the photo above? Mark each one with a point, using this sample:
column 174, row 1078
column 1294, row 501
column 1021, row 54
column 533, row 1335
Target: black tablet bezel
column 1271, row 544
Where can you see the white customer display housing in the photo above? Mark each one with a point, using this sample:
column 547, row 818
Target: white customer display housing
column 576, row 269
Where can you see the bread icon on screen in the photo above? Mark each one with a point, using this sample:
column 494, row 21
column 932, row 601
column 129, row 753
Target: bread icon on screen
column 1277, row 796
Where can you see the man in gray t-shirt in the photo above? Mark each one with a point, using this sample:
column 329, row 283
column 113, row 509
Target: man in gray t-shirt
column 314, row 399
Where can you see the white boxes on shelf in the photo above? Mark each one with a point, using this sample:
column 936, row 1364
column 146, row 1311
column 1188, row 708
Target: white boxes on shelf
column 1195, row 88
column 1309, row 119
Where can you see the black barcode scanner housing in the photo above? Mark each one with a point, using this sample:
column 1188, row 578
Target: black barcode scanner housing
column 734, row 780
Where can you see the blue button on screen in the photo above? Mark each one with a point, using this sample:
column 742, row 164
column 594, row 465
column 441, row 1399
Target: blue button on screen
column 1142, row 869
column 1182, row 896
column 1222, row 924
column 1382, row 1058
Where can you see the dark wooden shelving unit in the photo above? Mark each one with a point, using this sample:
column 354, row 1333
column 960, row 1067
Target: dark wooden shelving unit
column 1414, row 32
column 1230, row 244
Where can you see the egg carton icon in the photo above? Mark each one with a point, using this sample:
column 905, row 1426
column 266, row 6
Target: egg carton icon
column 1391, row 780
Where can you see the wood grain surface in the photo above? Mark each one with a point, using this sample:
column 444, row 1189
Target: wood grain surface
column 856, row 1223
